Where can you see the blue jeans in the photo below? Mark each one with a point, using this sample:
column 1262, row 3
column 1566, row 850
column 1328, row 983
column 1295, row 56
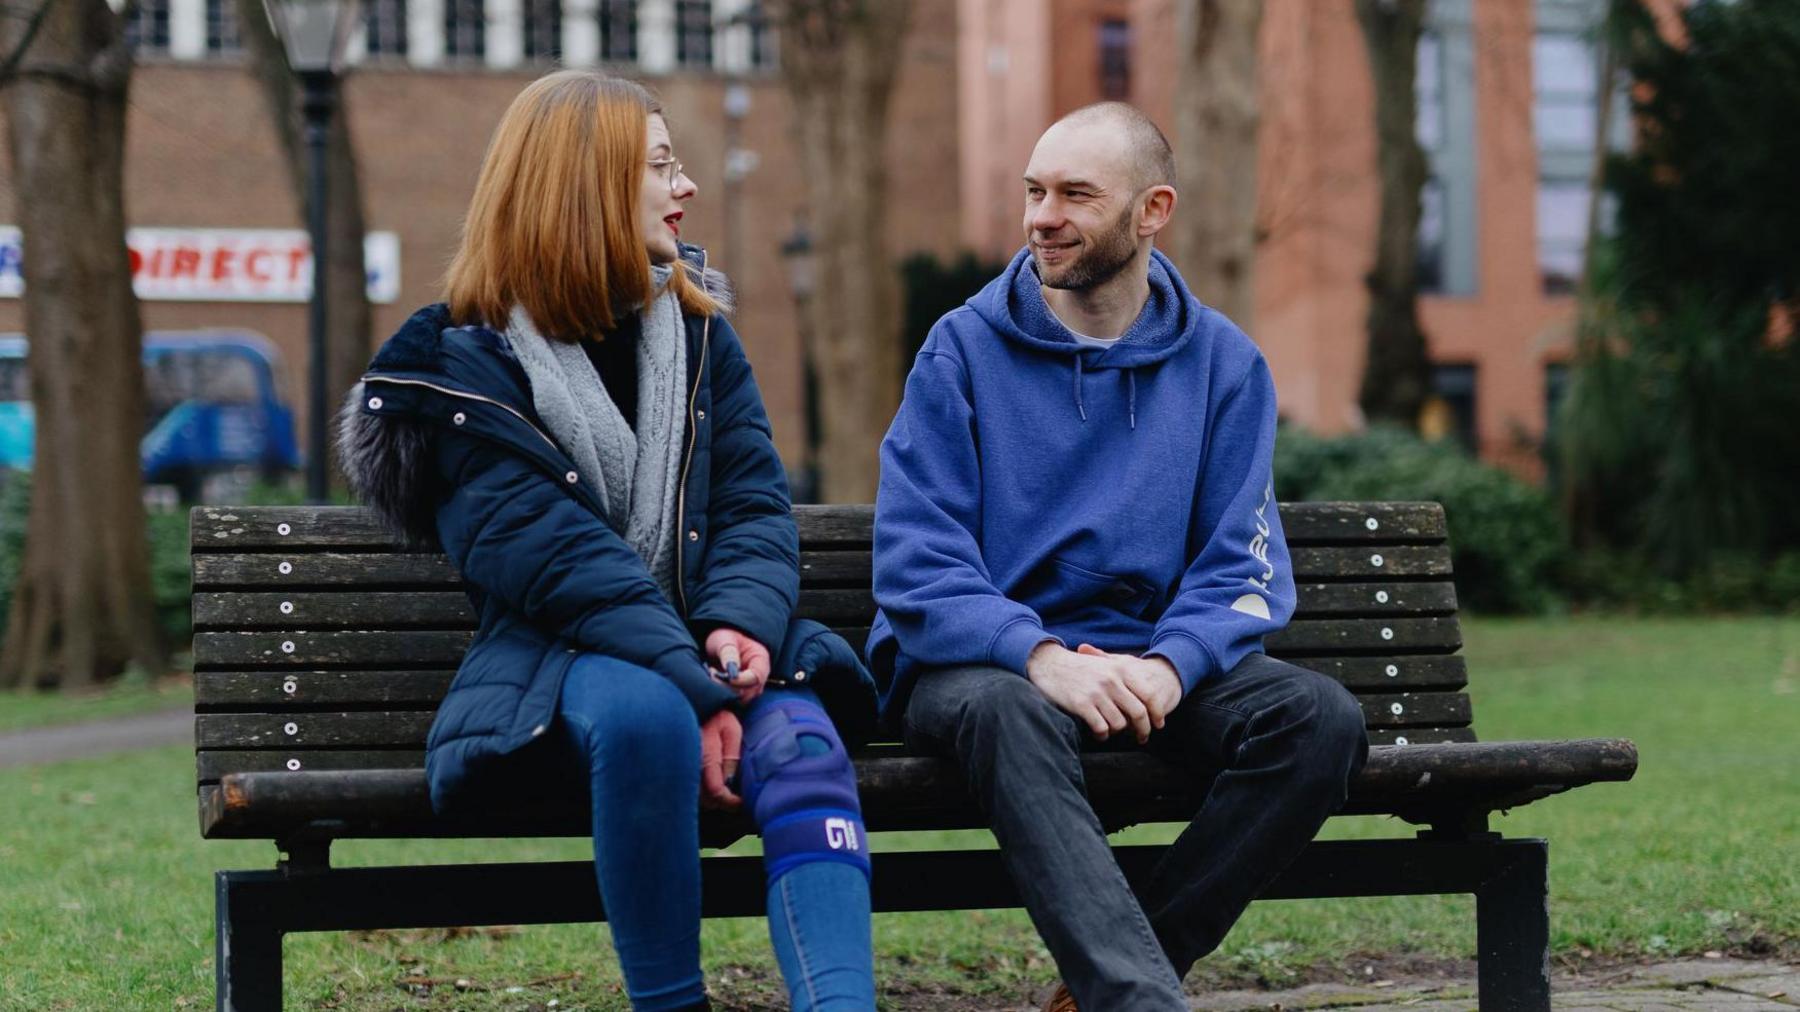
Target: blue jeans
column 633, row 735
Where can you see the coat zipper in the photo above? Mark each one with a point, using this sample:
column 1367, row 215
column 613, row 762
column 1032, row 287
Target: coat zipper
column 466, row 396
column 688, row 462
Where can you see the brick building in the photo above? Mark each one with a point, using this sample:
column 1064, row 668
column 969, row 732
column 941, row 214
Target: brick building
column 1507, row 97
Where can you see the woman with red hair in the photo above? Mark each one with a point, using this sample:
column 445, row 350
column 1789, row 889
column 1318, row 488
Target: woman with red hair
column 578, row 428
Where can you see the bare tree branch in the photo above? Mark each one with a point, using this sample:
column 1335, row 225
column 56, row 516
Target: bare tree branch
column 9, row 68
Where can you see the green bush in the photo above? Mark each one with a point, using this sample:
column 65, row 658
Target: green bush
column 167, row 530
column 15, row 506
column 1507, row 542
column 931, row 287
column 1729, row 582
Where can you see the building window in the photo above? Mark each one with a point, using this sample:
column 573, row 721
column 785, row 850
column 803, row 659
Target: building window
column 465, row 29
column 1565, row 112
column 543, row 30
column 1428, row 91
column 1432, row 133
column 1449, row 413
column 1431, row 236
column 1444, row 126
column 1115, row 61
column 762, row 36
column 384, row 27
column 693, row 33
column 1556, row 389
column 1562, row 222
column 618, row 30
column 148, row 29
column 221, row 27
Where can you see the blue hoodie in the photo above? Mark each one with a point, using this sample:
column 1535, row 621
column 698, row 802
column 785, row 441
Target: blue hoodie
column 1036, row 489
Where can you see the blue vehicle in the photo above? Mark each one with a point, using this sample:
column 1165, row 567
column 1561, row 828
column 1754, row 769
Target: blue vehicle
column 211, row 402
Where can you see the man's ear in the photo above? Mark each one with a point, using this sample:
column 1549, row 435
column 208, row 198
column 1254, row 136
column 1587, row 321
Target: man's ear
column 1158, row 208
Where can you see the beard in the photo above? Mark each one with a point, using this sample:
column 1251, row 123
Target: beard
column 1106, row 255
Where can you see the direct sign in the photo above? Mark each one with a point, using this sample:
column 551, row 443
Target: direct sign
column 222, row 264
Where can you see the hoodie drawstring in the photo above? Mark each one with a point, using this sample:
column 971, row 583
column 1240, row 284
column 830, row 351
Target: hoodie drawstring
column 1079, row 406
column 1130, row 392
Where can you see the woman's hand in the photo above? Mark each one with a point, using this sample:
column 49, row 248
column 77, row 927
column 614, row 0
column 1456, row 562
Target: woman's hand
column 721, row 746
column 732, row 653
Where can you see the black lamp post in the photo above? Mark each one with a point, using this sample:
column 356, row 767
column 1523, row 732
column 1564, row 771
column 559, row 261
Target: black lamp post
column 315, row 34
column 802, row 262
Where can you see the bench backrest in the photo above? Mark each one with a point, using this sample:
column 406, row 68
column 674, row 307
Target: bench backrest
column 320, row 645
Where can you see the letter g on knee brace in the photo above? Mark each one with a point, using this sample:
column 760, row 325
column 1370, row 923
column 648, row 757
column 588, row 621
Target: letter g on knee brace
column 800, row 786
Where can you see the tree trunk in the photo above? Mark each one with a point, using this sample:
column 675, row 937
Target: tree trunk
column 347, row 313
column 82, row 608
column 1216, row 121
column 1397, row 377
column 839, row 59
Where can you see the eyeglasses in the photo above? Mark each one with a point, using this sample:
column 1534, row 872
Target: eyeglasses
column 670, row 169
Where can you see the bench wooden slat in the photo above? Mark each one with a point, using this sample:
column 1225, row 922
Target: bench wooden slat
column 927, row 793
column 1349, row 522
column 298, row 570
column 314, row 688
column 1326, row 636
column 332, row 648
column 311, row 609
column 1318, row 564
column 215, row 763
column 1370, row 563
column 390, row 728
column 402, row 728
column 1364, row 673
column 423, row 571
column 1396, row 597
column 240, row 528
column 445, row 647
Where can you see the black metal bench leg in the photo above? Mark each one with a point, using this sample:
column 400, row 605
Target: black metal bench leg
column 1512, row 932
column 247, row 953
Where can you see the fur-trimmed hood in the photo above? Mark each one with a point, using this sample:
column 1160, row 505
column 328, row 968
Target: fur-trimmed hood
column 386, row 422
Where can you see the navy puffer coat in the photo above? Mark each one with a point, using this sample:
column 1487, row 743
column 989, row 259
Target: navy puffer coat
column 442, row 440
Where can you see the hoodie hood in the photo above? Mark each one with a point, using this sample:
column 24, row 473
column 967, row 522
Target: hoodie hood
column 1013, row 305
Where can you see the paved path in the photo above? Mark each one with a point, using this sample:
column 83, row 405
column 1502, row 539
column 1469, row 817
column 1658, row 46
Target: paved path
column 1695, row 985
column 97, row 738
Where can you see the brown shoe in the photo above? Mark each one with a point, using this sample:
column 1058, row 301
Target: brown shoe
column 1061, row 1000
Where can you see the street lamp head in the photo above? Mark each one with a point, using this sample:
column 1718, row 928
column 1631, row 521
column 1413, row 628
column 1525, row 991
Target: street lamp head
column 737, row 101
column 315, row 33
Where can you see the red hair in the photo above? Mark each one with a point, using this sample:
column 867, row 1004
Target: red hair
column 553, row 223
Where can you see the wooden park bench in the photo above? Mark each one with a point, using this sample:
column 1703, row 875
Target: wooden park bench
column 321, row 651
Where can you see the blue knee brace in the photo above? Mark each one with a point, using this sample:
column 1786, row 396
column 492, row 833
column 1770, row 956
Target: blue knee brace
column 798, row 782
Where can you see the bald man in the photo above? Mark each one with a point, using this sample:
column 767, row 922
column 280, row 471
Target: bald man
column 1077, row 546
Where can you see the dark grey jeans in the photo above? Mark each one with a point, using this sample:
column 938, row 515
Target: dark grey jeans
column 1280, row 745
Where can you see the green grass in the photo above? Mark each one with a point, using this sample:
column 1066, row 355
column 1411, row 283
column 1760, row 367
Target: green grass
column 131, row 695
column 105, row 892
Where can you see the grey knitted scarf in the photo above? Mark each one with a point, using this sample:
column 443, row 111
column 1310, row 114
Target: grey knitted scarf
column 636, row 473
